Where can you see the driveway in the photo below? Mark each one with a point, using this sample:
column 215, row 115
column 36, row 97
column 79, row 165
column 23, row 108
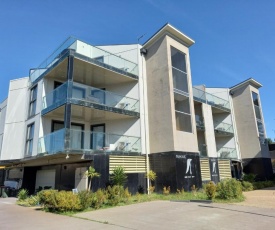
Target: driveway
column 151, row 215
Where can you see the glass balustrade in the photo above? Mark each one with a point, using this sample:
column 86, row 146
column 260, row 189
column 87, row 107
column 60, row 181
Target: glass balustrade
column 203, row 150
column 56, row 97
column 88, row 53
column 90, row 94
column 85, row 141
column 199, row 122
column 226, row 152
column 223, row 127
column 204, row 97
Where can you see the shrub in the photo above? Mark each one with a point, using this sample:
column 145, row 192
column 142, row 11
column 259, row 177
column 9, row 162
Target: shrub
column 262, row 184
column 117, row 194
column 86, row 199
column 229, row 189
column 100, row 197
column 151, row 189
column 67, row 201
column 166, row 190
column 249, row 177
column 23, row 194
column 118, row 177
column 47, row 198
column 210, row 190
column 247, row 186
column 59, row 201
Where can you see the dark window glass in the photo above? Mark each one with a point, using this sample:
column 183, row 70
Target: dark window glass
column 29, row 139
column 178, row 59
column 33, row 98
column 255, row 98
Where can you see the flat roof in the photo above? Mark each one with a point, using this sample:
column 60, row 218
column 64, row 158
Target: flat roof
column 249, row 81
column 167, row 28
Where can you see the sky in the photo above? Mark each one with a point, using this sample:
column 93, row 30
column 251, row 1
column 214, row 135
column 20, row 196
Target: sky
column 235, row 40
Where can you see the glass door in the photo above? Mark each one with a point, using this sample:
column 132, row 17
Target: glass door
column 98, row 137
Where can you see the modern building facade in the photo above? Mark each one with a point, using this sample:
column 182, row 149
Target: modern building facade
column 132, row 106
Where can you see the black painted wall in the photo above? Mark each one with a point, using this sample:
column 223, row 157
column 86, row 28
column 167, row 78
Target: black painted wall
column 262, row 167
column 214, row 169
column 101, row 165
column 179, row 170
column 2, row 176
column 29, row 178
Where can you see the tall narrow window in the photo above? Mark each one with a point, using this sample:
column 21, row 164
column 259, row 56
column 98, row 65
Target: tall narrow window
column 257, row 110
column 181, row 91
column 29, row 139
column 33, row 98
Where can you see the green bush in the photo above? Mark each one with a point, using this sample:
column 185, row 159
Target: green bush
column 229, row 189
column 249, row 177
column 32, row 201
column 263, row 184
column 23, row 194
column 86, row 199
column 100, row 198
column 62, row 201
column 47, row 198
column 247, row 186
column 117, row 194
column 67, row 201
column 210, row 190
column 118, row 177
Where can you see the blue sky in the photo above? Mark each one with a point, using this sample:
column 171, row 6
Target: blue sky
column 234, row 39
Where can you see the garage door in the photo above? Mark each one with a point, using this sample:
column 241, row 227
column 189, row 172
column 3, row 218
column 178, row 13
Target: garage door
column 45, row 178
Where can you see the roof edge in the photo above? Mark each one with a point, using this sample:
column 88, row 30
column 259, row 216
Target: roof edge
column 172, row 30
column 249, row 81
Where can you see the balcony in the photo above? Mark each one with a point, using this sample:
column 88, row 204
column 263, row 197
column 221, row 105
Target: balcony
column 86, row 142
column 228, row 153
column 90, row 97
column 199, row 122
column 223, row 129
column 210, row 99
column 87, row 53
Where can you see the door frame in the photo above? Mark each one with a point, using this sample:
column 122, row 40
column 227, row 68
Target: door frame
column 97, row 125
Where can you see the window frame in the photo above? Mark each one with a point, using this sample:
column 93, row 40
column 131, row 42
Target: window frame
column 33, row 101
column 29, row 139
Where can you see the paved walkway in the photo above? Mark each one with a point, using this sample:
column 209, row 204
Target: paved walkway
column 264, row 198
column 257, row 212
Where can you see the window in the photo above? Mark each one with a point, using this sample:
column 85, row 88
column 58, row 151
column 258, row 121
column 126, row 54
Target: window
column 33, row 98
column 181, row 91
column 257, row 110
column 29, row 139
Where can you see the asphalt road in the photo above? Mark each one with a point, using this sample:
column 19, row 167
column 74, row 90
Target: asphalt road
column 151, row 215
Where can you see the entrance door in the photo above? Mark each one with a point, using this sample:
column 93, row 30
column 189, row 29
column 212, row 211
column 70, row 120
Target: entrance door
column 98, row 136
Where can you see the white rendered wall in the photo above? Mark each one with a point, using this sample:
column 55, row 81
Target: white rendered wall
column 209, row 130
column 14, row 131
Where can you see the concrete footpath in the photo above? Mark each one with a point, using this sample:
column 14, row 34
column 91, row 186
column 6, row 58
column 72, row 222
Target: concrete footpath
column 257, row 212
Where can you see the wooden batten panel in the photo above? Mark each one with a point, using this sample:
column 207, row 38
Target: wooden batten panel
column 205, row 170
column 131, row 164
column 224, row 169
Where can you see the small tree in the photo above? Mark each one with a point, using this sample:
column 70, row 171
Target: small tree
column 151, row 175
column 118, row 177
column 91, row 173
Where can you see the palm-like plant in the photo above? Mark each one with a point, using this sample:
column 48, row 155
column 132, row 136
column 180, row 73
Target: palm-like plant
column 91, row 173
column 151, row 175
column 118, row 177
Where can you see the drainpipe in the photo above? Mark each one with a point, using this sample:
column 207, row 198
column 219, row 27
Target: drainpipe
column 144, row 109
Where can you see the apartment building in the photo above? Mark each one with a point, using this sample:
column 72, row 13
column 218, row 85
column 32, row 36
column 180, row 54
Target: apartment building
column 132, row 106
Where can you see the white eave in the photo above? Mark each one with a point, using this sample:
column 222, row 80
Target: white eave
column 169, row 29
column 249, row 81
